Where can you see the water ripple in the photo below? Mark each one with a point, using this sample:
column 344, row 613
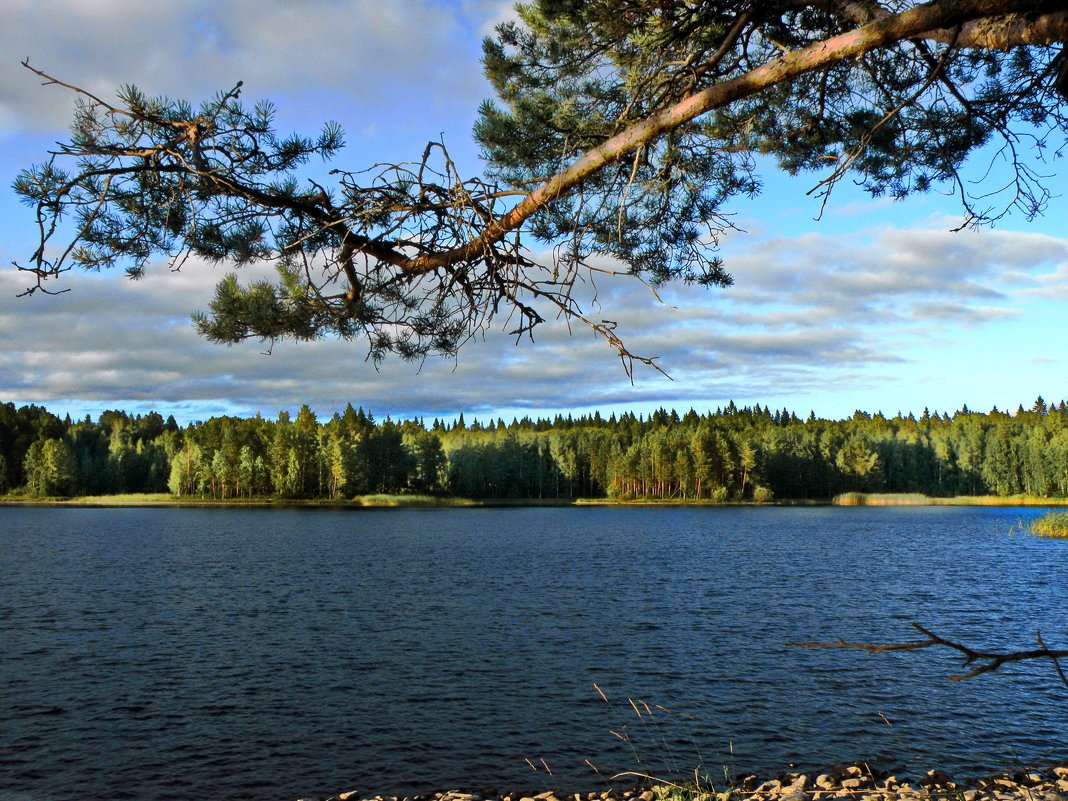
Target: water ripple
column 277, row 653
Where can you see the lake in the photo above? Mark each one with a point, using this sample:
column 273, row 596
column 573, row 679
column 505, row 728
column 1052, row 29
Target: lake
column 273, row 653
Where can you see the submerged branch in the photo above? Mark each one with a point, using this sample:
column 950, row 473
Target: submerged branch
column 988, row 661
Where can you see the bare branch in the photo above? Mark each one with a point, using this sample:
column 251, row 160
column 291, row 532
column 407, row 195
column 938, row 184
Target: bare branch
column 988, row 661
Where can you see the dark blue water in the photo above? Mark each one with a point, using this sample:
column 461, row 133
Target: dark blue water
column 270, row 654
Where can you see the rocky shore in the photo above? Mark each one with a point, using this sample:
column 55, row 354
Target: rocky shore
column 857, row 782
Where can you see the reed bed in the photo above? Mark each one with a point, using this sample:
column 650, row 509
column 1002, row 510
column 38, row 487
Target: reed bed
column 917, row 499
column 411, row 500
column 1054, row 524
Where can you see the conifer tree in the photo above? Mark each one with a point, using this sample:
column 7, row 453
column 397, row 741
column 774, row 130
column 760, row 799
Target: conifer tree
column 621, row 128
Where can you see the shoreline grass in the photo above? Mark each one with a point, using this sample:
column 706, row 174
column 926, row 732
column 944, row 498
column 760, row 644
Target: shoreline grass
column 166, row 499
column 402, row 501
column 412, row 501
column 918, row 499
column 1053, row 524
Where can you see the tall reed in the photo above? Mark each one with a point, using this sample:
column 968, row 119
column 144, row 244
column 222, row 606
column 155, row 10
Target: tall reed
column 1052, row 524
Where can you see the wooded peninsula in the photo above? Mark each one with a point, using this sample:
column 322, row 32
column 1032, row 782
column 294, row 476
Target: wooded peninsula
column 749, row 454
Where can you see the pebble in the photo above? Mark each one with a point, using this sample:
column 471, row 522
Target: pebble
column 853, row 782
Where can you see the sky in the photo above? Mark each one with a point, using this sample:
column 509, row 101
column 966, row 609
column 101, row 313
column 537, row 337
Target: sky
column 876, row 305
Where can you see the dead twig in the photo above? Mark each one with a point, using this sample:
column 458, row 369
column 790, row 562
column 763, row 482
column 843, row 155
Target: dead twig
column 984, row 661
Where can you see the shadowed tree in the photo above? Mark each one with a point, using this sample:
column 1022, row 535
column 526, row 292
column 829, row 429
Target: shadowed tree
column 620, row 132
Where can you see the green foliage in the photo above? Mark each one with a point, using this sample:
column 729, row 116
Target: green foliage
column 762, row 494
column 731, row 455
column 49, row 467
column 621, row 131
column 156, row 179
column 149, row 208
column 571, row 75
column 719, row 494
column 1053, row 524
column 900, row 119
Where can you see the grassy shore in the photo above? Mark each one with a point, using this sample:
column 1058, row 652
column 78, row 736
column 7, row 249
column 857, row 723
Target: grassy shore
column 408, row 501
column 166, row 499
column 1054, row 524
column 916, row 499
column 433, row 501
column 369, row 501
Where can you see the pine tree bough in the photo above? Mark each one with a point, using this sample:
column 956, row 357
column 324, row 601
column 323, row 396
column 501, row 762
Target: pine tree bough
column 621, row 132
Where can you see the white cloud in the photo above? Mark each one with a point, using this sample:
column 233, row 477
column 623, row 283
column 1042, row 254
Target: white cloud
column 805, row 314
column 395, row 58
column 491, row 12
column 807, row 311
column 894, row 272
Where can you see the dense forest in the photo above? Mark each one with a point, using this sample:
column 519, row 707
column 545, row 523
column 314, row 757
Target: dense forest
column 731, row 454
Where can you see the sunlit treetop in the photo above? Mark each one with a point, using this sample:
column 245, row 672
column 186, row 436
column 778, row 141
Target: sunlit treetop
column 621, row 131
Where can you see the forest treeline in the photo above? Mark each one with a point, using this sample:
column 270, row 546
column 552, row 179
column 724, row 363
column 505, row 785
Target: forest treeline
column 731, row 454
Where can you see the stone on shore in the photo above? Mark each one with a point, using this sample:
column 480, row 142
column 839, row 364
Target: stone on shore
column 853, row 782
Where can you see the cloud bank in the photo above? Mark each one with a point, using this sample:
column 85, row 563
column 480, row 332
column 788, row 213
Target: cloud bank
column 805, row 312
column 300, row 49
column 809, row 314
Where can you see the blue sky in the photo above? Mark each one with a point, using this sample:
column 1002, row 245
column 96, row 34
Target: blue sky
column 876, row 306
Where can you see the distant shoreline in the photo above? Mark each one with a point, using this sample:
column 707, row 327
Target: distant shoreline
column 430, row 502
